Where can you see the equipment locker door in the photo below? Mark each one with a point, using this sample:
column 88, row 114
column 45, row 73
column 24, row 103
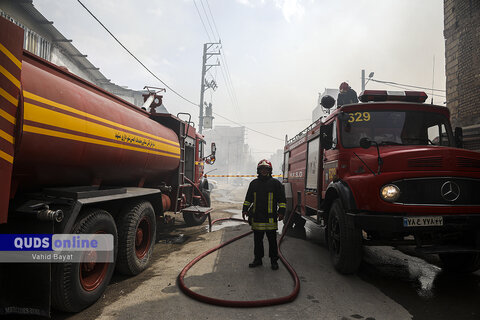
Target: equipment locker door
column 330, row 155
column 312, row 171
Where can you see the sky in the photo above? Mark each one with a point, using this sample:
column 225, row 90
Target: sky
column 277, row 55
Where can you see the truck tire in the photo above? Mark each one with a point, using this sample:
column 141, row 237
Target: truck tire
column 460, row 262
column 75, row 286
column 344, row 242
column 192, row 219
column 136, row 238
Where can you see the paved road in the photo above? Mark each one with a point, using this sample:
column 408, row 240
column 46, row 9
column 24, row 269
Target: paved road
column 390, row 284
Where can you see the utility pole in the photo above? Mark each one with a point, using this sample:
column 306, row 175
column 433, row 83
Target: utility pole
column 370, row 76
column 208, row 52
column 363, row 80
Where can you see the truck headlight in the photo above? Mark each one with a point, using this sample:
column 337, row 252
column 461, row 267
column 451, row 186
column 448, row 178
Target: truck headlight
column 390, row 192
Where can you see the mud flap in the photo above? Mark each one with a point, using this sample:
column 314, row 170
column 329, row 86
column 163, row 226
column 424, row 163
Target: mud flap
column 25, row 287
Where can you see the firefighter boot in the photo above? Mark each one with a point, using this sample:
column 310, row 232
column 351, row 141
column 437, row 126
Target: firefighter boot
column 255, row 263
column 274, row 264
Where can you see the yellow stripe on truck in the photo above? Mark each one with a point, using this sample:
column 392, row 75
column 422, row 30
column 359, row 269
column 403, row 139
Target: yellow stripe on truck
column 6, row 156
column 8, row 97
column 10, row 56
column 6, row 136
column 10, row 77
column 61, row 120
column 32, row 96
column 53, row 133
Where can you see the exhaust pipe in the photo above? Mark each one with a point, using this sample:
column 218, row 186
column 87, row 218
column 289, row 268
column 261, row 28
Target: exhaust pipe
column 50, row 215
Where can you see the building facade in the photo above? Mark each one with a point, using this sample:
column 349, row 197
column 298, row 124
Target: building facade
column 462, row 58
column 233, row 154
column 44, row 40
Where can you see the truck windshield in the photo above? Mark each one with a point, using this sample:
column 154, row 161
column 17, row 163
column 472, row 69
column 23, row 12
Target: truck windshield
column 395, row 128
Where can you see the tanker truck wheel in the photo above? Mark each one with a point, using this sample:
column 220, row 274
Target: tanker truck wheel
column 75, row 286
column 136, row 238
column 344, row 242
column 192, row 219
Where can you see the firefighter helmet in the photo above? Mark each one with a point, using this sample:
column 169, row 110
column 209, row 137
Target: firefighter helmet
column 344, row 86
column 264, row 163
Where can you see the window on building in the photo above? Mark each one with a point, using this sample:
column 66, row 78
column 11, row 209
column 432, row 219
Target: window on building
column 32, row 41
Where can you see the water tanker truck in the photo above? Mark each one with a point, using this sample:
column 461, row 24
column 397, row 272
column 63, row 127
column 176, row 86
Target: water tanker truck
column 75, row 159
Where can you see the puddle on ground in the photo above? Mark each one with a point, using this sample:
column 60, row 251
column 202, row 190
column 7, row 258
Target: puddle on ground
column 236, row 213
column 173, row 239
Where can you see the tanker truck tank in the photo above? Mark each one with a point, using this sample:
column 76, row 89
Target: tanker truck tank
column 75, row 134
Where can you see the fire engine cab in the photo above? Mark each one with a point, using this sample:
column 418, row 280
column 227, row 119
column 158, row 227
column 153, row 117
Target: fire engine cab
column 387, row 171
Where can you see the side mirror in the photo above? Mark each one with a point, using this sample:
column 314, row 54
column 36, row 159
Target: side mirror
column 365, row 143
column 459, row 137
column 211, row 158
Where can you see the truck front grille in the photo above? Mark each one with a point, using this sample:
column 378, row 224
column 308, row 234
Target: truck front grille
column 463, row 162
column 439, row 191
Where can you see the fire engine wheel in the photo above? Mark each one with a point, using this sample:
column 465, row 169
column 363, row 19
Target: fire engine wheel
column 192, row 219
column 75, row 286
column 344, row 242
column 460, row 262
column 136, row 238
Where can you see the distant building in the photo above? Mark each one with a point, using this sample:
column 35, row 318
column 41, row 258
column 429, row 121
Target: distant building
column 233, row 154
column 277, row 161
column 44, row 40
column 319, row 111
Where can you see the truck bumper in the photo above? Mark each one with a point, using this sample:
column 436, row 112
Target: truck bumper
column 395, row 223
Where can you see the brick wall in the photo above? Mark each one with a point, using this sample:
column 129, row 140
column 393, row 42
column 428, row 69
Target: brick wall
column 462, row 57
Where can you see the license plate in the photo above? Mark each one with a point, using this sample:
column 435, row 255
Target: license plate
column 422, row 221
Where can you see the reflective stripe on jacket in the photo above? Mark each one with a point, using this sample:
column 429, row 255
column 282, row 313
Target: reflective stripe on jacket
column 265, row 198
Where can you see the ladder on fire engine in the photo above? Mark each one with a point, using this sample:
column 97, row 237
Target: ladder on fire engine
column 181, row 168
column 184, row 182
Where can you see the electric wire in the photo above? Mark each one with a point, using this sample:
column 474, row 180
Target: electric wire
column 214, row 24
column 278, row 121
column 203, row 23
column 404, row 88
column 406, row 85
column 223, row 57
column 138, row 60
column 248, row 127
column 156, row 77
column 208, row 20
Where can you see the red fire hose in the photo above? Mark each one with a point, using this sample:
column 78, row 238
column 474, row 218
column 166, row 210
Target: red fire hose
column 240, row 303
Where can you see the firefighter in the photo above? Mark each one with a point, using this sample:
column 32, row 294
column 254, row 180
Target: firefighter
column 347, row 95
column 263, row 196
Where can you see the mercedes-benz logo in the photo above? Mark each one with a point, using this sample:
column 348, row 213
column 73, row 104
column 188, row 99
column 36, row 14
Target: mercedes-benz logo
column 450, row 191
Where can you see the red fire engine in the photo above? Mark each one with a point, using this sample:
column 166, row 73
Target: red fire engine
column 387, row 171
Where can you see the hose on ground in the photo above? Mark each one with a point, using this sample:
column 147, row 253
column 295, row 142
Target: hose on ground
column 241, row 303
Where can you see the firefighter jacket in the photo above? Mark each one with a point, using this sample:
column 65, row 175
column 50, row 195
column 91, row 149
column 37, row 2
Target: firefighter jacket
column 350, row 96
column 264, row 196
